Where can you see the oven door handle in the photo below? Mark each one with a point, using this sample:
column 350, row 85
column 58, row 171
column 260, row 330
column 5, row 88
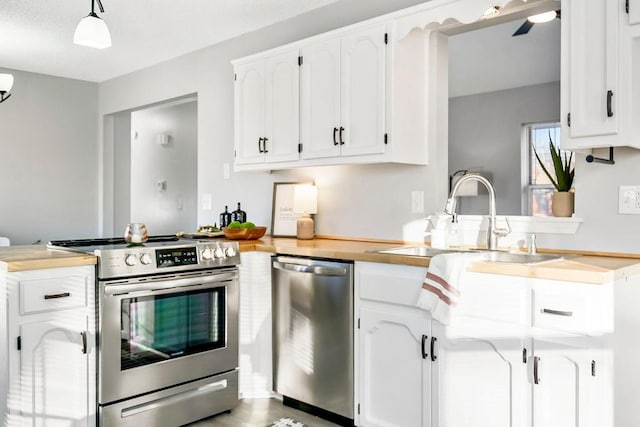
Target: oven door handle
column 160, row 284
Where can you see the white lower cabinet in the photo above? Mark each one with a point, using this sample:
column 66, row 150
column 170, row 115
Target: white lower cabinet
column 559, row 399
column 502, row 369
column 393, row 371
column 478, row 381
column 50, row 329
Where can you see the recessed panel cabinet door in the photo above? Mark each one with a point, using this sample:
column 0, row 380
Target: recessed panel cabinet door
column 282, row 125
column 395, row 378
column 250, row 113
column 563, row 377
column 320, row 94
column 592, row 60
column 363, row 91
column 54, row 374
column 479, row 382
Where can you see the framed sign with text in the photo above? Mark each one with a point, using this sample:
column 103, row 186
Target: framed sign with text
column 283, row 219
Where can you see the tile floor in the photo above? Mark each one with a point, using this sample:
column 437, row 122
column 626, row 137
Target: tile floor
column 260, row 413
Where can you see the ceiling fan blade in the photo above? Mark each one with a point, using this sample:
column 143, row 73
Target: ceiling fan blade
column 524, row 28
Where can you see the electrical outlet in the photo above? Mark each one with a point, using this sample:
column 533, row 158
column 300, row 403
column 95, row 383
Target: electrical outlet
column 417, row 201
column 226, row 171
column 629, row 199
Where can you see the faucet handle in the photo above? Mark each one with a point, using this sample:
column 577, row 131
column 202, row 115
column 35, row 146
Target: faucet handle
column 502, row 232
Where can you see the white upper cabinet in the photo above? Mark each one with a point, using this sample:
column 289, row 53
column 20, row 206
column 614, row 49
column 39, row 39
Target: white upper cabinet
column 600, row 79
column 591, row 93
column 267, row 109
column 320, row 81
column 343, row 95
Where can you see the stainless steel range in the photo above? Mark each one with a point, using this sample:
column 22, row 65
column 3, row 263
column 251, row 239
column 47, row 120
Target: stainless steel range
column 167, row 329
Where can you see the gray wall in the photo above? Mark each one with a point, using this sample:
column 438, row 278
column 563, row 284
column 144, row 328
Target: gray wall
column 48, row 159
column 485, row 136
column 173, row 209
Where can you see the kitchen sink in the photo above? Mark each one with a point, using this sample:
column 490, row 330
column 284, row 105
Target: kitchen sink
column 493, row 256
column 518, row 258
column 424, row 251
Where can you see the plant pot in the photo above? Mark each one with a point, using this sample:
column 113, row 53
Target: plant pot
column 562, row 203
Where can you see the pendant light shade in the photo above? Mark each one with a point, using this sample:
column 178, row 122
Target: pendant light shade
column 92, row 31
column 6, row 83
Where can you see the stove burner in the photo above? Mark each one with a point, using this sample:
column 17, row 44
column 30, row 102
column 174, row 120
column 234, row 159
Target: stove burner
column 77, row 243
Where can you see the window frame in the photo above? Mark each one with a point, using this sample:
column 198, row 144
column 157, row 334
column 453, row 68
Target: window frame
column 527, row 157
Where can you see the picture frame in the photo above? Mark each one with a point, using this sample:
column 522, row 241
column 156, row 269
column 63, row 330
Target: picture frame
column 283, row 219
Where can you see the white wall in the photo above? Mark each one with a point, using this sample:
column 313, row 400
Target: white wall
column 485, row 136
column 48, row 159
column 174, row 209
column 51, row 167
column 208, row 73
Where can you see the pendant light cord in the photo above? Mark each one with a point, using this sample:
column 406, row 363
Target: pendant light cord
column 93, row 2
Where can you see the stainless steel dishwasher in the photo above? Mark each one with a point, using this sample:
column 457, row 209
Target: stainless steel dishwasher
column 313, row 335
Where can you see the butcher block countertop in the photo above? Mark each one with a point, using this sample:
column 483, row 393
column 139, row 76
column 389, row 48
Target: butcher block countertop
column 36, row 257
column 585, row 267
column 577, row 267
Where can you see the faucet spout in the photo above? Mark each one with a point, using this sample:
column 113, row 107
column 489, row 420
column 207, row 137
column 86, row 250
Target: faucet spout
column 492, row 231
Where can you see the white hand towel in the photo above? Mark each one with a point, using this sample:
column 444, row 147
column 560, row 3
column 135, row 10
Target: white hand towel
column 441, row 286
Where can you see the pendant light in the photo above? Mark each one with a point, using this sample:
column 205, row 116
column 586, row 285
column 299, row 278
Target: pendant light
column 6, row 82
column 92, row 30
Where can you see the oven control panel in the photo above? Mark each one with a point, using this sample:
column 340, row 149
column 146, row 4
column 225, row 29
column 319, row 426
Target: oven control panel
column 140, row 260
column 173, row 257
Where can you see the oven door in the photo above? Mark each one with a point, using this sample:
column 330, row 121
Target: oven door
column 161, row 331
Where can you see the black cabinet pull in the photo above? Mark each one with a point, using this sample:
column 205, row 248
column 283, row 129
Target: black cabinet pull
column 335, row 139
column 264, row 145
column 54, row 296
column 341, row 140
column 536, row 377
column 609, row 107
column 433, row 349
column 424, row 346
column 83, row 335
column 260, row 145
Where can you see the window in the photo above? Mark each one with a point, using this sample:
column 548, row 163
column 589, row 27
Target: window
column 538, row 189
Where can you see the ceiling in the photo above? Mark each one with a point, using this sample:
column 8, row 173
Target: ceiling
column 36, row 35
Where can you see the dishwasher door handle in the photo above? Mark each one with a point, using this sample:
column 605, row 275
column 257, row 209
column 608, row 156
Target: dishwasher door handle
column 312, row 269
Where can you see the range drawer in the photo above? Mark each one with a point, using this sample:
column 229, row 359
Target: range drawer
column 55, row 293
column 573, row 307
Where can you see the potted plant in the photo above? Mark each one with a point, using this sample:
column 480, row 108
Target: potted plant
column 563, row 198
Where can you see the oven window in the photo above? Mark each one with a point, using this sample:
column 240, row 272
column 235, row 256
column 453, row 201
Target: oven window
column 157, row 328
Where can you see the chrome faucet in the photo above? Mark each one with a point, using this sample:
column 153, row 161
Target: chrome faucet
column 492, row 231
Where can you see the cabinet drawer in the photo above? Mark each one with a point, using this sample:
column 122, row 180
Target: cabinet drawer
column 572, row 307
column 58, row 293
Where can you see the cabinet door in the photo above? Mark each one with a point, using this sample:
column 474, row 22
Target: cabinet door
column 363, row 91
column 479, row 382
column 591, row 28
column 633, row 9
column 250, row 113
column 55, row 382
column 320, row 104
column 282, row 128
column 563, row 376
column 394, row 378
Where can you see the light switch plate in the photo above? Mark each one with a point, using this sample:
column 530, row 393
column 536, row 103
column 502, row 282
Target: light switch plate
column 206, row 202
column 629, row 199
column 417, row 201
